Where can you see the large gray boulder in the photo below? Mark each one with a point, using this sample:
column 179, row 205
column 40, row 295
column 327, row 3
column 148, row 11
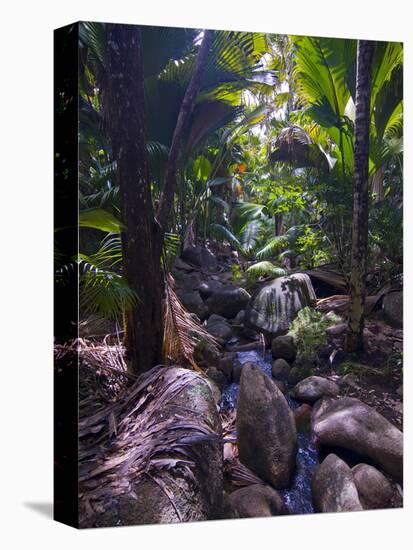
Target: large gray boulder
column 207, row 288
column 181, row 479
column 313, row 388
column 272, row 308
column 200, row 257
column 254, row 501
column 333, row 487
column 374, row 489
column 350, row 424
column 266, row 434
column 219, row 328
column 193, row 303
column 228, row 301
column 393, row 308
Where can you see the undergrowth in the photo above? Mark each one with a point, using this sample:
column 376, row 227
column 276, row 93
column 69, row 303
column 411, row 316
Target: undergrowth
column 309, row 331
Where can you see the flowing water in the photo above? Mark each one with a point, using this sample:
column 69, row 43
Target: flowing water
column 298, row 496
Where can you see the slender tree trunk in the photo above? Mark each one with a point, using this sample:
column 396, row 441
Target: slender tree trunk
column 184, row 116
column 377, row 185
column 365, row 51
column 124, row 115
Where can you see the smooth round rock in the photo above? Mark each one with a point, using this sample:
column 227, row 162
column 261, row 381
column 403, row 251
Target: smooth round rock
column 333, row 487
column 313, row 388
column 350, row 424
column 375, row 490
column 280, row 369
column 255, row 501
column 283, row 347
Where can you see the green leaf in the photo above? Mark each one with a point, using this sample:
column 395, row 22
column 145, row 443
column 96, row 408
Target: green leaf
column 98, row 218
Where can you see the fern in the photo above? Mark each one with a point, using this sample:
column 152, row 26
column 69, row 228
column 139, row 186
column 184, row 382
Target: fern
column 309, row 332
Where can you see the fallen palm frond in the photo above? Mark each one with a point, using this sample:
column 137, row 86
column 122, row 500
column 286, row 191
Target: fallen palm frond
column 103, row 375
column 236, row 473
column 182, row 333
column 146, row 443
column 339, row 303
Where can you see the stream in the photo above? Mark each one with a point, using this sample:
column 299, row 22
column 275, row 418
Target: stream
column 298, row 496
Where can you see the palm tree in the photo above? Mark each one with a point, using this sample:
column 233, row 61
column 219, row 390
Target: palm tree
column 161, row 93
column 365, row 50
column 123, row 99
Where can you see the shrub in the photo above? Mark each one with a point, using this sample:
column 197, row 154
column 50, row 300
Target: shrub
column 309, row 332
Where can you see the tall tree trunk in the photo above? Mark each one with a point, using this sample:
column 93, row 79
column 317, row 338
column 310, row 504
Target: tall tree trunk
column 184, row 116
column 124, row 116
column 143, row 236
column 354, row 342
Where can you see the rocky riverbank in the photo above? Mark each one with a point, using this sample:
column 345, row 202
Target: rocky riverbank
column 264, row 429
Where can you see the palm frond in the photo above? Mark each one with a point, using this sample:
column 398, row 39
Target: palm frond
column 99, row 218
column 103, row 292
column 273, row 247
column 182, row 332
column 250, row 235
column 264, row 269
column 222, row 232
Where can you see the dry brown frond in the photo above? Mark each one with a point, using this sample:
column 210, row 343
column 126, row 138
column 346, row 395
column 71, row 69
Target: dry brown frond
column 145, row 443
column 182, row 332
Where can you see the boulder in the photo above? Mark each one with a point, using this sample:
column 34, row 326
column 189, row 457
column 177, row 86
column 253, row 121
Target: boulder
column 177, row 490
column 193, row 302
column 313, row 388
column 283, row 347
column 280, row 369
column 296, row 374
column 200, row 257
column 333, row 487
column 302, row 415
column 336, row 330
column 219, row 328
column 374, row 489
column 228, row 301
column 240, row 317
column 226, row 364
column 207, row 288
column 350, row 424
column 266, row 434
column 393, row 308
column 217, row 376
column 187, row 281
column 180, row 265
column 206, row 354
column 349, row 381
column 272, row 307
column 255, row 501
column 281, row 386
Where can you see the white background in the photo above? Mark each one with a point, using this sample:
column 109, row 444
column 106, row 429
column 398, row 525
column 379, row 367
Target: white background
column 26, row 270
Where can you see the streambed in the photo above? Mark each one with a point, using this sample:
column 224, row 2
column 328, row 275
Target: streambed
column 298, row 496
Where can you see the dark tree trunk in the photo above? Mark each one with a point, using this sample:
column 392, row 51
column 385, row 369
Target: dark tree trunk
column 143, row 236
column 123, row 107
column 365, row 51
